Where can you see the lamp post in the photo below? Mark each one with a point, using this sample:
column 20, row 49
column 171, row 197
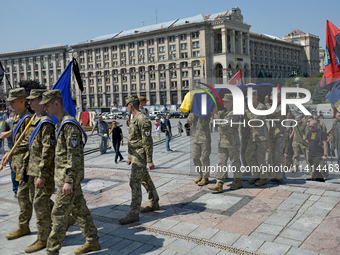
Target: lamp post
column 297, row 82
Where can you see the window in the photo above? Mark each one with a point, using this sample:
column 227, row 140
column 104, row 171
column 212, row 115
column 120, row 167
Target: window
column 196, row 54
column 141, row 52
column 132, row 61
column 195, row 34
column 196, row 63
column 143, row 86
column 114, row 48
column 174, row 84
column 98, row 57
column 99, row 81
column 184, row 55
column 106, row 49
column 152, row 85
column 131, row 45
column 151, row 50
column 173, row 74
column 89, row 52
column 151, row 59
column 161, row 40
column 184, row 46
column 161, row 67
column 162, row 57
column 151, row 42
column 184, row 64
column 172, row 38
column 122, row 46
column 97, row 51
column 132, row 53
column 173, row 56
column 141, row 43
column 161, row 49
column 195, row 45
column 197, row 73
column 89, row 59
column 173, row 47
column 106, row 56
column 162, row 85
column 183, row 36
column 162, row 76
column 185, row 84
column 114, row 55
column 185, row 74
column 51, row 72
column 141, row 59
column 123, row 54
column 99, row 65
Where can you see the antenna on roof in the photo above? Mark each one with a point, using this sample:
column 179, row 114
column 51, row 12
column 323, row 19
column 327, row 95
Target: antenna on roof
column 156, row 17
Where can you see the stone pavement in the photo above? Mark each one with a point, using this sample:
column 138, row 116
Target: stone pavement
column 296, row 217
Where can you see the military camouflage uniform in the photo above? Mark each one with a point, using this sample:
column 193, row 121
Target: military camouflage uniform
column 229, row 145
column 201, row 147
column 23, row 194
column 258, row 144
column 40, row 163
column 140, row 148
column 298, row 146
column 69, row 168
column 277, row 135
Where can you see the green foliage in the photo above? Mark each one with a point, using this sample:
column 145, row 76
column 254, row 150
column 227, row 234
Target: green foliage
column 318, row 95
column 29, row 84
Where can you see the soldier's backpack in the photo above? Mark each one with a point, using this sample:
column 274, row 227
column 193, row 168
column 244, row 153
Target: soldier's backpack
column 162, row 127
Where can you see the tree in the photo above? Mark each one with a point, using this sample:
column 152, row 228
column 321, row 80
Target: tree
column 318, row 95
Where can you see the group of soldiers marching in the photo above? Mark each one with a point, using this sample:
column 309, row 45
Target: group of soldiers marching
column 251, row 144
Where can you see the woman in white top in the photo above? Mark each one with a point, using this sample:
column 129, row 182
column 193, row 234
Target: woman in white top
column 157, row 127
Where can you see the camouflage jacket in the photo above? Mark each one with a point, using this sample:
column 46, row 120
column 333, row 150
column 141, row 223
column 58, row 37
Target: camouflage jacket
column 275, row 128
column 18, row 155
column 229, row 135
column 258, row 133
column 40, row 159
column 200, row 127
column 140, row 143
column 334, row 133
column 69, row 153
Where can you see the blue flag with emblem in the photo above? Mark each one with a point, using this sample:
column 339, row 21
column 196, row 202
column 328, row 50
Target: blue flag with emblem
column 64, row 84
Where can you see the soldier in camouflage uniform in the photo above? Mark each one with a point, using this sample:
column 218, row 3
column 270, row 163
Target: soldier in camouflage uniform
column 300, row 133
column 69, row 173
column 201, row 146
column 140, row 148
column 40, row 165
column 258, row 144
column 228, row 146
column 277, row 134
column 17, row 99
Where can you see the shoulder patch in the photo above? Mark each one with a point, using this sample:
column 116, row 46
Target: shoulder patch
column 147, row 130
column 74, row 141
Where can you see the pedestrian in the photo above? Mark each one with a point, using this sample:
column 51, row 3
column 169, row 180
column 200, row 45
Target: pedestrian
column 157, row 125
column 228, row 146
column 168, row 133
column 17, row 100
column 257, row 146
column 142, row 104
column 201, row 146
column 140, row 147
column 179, row 128
column 162, row 120
column 117, row 140
column 6, row 133
column 103, row 130
column 69, row 173
column 317, row 141
column 38, row 166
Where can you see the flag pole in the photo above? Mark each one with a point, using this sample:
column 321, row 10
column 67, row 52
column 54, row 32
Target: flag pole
column 9, row 155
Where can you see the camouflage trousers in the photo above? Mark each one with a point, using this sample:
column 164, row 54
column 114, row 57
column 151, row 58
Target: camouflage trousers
column 298, row 149
column 201, row 151
column 64, row 205
column 235, row 163
column 256, row 158
column 25, row 205
column 275, row 155
column 317, row 169
column 41, row 199
column 139, row 176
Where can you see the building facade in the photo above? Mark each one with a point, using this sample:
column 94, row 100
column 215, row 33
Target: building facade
column 161, row 62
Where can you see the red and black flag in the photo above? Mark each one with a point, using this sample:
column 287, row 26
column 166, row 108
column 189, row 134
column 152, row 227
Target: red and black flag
column 332, row 58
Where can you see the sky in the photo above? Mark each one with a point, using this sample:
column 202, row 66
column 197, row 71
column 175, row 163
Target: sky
column 28, row 24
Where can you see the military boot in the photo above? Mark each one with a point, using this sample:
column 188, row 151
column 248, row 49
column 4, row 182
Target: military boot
column 36, row 246
column 21, row 231
column 197, row 180
column 203, row 182
column 236, row 185
column 253, row 180
column 151, row 207
column 217, row 187
column 261, row 182
column 87, row 247
column 129, row 218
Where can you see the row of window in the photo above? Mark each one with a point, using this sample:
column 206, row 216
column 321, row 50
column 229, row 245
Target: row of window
column 149, row 42
column 29, row 67
column 29, row 60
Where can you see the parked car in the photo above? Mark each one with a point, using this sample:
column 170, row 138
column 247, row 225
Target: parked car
column 175, row 114
column 327, row 114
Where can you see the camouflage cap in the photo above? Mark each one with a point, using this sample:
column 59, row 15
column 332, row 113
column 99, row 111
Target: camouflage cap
column 227, row 97
column 51, row 94
column 35, row 93
column 141, row 98
column 131, row 99
column 15, row 93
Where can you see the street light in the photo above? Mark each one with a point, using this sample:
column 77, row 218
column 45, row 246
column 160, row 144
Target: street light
column 297, row 81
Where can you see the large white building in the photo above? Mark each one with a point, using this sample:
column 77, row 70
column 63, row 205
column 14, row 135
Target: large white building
column 164, row 61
